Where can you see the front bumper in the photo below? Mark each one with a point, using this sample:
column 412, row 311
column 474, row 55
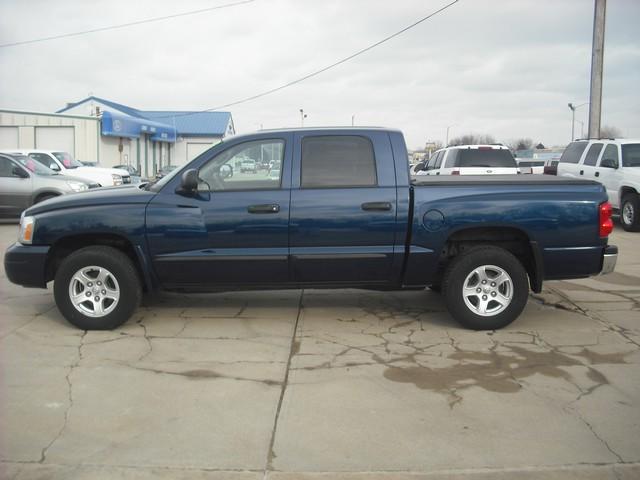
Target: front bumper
column 609, row 259
column 26, row 265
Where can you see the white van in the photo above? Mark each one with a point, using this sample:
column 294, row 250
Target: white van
column 64, row 163
column 616, row 164
column 471, row 160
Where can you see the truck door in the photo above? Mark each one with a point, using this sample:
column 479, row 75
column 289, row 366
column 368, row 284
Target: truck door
column 609, row 174
column 234, row 232
column 587, row 168
column 343, row 208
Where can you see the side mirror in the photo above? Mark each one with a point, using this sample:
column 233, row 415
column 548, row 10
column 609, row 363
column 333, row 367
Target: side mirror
column 609, row 163
column 54, row 166
column 19, row 172
column 226, row 171
column 189, row 183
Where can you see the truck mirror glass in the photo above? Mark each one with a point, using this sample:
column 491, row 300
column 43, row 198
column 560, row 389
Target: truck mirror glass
column 189, row 181
column 54, row 166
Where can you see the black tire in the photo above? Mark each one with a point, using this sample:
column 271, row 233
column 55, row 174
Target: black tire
column 119, row 266
column 462, row 266
column 630, row 212
column 45, row 196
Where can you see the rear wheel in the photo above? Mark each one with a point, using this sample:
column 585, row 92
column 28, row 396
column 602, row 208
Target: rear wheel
column 97, row 288
column 630, row 212
column 485, row 288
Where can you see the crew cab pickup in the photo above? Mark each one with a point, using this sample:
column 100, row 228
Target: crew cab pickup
column 342, row 212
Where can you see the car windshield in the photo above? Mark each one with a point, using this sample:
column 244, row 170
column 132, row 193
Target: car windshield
column 631, row 155
column 67, row 160
column 33, row 166
column 490, row 157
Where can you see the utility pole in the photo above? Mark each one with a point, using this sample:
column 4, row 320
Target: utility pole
column 353, row 119
column 446, row 144
column 573, row 118
column 597, row 58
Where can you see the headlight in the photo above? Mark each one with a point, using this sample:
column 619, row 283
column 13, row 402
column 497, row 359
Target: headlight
column 77, row 186
column 117, row 179
column 27, row 227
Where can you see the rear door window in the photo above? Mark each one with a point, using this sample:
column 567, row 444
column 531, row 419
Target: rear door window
column 610, row 153
column 337, row 161
column 573, row 152
column 440, row 158
column 592, row 155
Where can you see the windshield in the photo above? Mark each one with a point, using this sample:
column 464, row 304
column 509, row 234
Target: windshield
column 67, row 160
column 33, row 166
column 631, row 155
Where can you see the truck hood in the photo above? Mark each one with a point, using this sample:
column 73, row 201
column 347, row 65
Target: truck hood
column 128, row 194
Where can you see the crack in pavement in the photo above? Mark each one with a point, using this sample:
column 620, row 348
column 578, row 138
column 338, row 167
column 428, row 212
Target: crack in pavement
column 67, row 413
column 293, row 350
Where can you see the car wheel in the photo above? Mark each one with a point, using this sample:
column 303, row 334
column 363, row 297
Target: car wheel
column 97, row 288
column 630, row 213
column 44, row 196
column 485, row 288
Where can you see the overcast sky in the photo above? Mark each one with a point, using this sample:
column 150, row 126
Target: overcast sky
column 506, row 68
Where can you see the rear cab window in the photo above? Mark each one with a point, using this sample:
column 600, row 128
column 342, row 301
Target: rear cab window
column 337, row 161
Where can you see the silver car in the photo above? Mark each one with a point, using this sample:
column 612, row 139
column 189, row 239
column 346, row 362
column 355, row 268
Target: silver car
column 24, row 182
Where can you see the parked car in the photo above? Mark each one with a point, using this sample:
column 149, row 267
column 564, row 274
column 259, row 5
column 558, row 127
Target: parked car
column 418, row 167
column 25, row 182
column 551, row 167
column 64, row 163
column 471, row 160
column 616, row 164
column 248, row 165
column 529, row 165
column 164, row 171
column 133, row 172
column 344, row 215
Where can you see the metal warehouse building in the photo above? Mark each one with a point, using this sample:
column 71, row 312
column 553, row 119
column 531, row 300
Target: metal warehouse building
column 110, row 133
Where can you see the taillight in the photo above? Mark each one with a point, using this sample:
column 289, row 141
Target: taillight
column 455, row 172
column 606, row 223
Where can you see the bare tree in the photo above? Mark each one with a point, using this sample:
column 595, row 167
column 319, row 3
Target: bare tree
column 472, row 139
column 610, row 132
column 520, row 144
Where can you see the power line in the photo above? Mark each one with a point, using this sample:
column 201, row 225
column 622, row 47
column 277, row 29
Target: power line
column 322, row 70
column 123, row 25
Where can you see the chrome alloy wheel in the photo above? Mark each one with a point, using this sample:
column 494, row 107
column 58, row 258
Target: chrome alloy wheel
column 94, row 291
column 487, row 290
column 628, row 213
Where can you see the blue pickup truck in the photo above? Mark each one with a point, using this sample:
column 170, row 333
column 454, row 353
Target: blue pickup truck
column 331, row 208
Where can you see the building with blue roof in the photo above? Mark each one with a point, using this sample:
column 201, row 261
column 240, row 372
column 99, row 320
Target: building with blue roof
column 151, row 139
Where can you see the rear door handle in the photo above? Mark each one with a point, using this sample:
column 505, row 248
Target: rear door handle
column 266, row 208
column 597, row 174
column 581, row 172
column 376, row 206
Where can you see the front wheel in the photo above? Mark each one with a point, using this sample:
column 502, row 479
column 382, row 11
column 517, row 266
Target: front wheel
column 485, row 288
column 630, row 213
column 97, row 288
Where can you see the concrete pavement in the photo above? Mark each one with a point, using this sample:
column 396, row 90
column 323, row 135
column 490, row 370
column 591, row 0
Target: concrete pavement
column 325, row 384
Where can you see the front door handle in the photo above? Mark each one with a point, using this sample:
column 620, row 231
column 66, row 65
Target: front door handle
column 376, row 206
column 597, row 174
column 266, row 208
column 581, row 172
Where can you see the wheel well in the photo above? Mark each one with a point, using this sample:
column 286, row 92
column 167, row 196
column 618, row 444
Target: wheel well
column 624, row 191
column 67, row 245
column 45, row 194
column 511, row 239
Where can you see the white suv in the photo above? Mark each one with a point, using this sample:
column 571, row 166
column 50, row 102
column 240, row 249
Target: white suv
column 616, row 164
column 64, row 163
column 471, row 160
